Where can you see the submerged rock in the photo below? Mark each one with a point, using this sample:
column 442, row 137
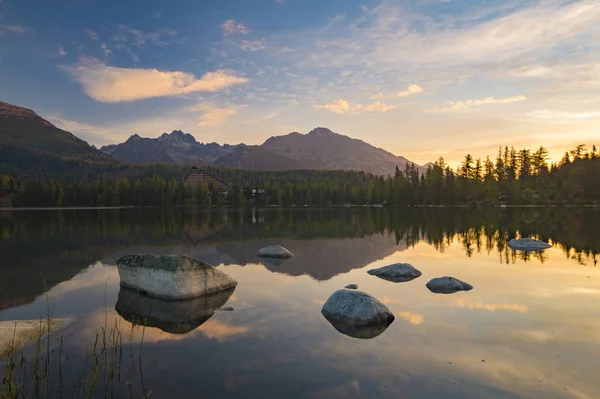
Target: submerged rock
column 274, row 251
column 17, row 333
column 397, row 273
column 351, row 287
column 174, row 317
column 171, row 277
column 528, row 244
column 447, row 285
column 357, row 314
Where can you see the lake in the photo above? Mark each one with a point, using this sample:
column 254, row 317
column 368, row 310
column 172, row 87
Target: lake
column 530, row 328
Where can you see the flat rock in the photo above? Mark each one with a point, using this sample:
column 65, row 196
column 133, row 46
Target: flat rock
column 351, row 287
column 357, row 314
column 174, row 317
column 17, row 333
column 448, row 285
column 274, row 251
column 397, row 273
column 171, row 277
column 528, row 244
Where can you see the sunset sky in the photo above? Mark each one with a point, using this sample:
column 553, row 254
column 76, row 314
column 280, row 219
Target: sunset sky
column 420, row 78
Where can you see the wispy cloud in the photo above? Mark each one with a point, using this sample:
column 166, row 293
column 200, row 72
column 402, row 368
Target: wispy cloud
column 457, row 106
column 412, row 89
column 14, row 29
column 342, row 106
column 232, row 27
column 126, row 37
column 112, row 84
column 550, row 115
column 107, row 52
column 252, row 45
column 61, row 51
column 212, row 115
column 92, row 34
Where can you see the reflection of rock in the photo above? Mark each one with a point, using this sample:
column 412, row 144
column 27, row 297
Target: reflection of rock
column 171, row 277
column 448, row 285
column 396, row 273
column 175, row 317
column 528, row 244
column 357, row 314
column 274, row 251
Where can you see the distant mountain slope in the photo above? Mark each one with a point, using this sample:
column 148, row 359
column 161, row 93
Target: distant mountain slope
column 319, row 149
column 24, row 128
column 256, row 157
column 177, row 147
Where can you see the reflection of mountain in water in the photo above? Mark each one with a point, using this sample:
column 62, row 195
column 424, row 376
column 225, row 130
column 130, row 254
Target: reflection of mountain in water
column 58, row 244
column 175, row 317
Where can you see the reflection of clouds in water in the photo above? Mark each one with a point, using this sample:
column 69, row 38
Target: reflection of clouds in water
column 476, row 304
column 549, row 292
column 412, row 318
column 96, row 275
column 221, row 331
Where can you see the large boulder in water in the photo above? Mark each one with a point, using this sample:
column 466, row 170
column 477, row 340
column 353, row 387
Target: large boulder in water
column 447, row 285
column 171, row 277
column 397, row 273
column 357, row 314
column 174, row 317
column 528, row 244
column 274, row 251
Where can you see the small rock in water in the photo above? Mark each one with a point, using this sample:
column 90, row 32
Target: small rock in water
column 357, row 314
column 274, row 251
column 227, row 309
column 528, row 244
column 447, row 285
column 352, row 286
column 397, row 273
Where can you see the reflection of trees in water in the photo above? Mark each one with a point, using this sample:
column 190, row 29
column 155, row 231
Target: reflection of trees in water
column 60, row 234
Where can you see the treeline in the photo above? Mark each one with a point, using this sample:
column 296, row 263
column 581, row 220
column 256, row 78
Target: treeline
column 513, row 177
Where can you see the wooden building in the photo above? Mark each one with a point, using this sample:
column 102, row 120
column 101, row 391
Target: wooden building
column 197, row 176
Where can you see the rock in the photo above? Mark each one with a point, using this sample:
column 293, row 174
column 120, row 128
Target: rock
column 528, row 244
column 357, row 314
column 397, row 273
column 174, row 317
column 351, row 287
column 274, row 251
column 17, row 333
column 448, row 285
column 171, row 277
column 227, row 309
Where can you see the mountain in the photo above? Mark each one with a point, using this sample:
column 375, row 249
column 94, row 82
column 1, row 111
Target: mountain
column 22, row 127
column 32, row 146
column 177, row 147
column 319, row 149
column 257, row 157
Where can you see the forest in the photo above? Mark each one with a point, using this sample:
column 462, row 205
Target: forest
column 513, row 177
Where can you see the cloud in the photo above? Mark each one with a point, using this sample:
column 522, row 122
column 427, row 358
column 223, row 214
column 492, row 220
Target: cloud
column 61, row 51
column 92, row 34
column 215, row 329
column 105, row 49
column 14, row 29
column 212, row 115
column 457, row 106
column 562, row 115
column 126, row 37
column 232, row 27
column 412, row 318
column 471, row 304
column 342, row 106
column 113, row 84
column 412, row 89
column 252, row 45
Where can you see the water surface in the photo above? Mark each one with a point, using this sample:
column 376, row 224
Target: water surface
column 529, row 328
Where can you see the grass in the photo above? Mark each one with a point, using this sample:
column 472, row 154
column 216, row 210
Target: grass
column 38, row 372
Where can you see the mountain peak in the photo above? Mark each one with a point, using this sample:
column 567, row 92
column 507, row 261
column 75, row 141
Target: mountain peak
column 321, row 132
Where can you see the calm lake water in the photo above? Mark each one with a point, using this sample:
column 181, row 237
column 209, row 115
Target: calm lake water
column 529, row 329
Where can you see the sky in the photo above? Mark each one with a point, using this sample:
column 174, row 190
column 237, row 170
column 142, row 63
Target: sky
column 419, row 78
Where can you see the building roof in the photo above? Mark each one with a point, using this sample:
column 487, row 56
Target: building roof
column 196, row 176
